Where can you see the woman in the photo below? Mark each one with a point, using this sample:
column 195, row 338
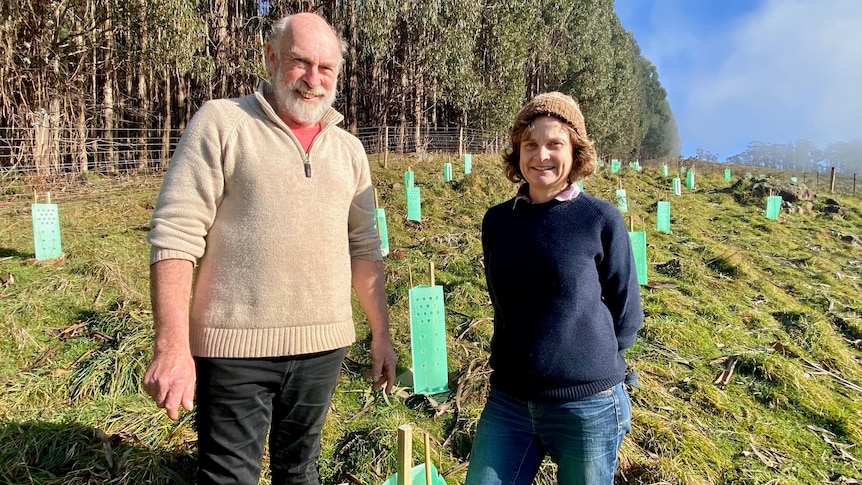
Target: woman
column 562, row 280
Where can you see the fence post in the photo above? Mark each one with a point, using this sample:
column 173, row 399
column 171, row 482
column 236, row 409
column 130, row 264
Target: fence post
column 832, row 180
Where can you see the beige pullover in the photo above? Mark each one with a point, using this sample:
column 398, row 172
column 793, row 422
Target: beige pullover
column 272, row 246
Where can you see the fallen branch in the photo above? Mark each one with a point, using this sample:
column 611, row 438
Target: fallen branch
column 724, row 378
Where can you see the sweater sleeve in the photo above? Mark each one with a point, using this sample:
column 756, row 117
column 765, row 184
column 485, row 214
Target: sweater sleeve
column 620, row 288
column 191, row 190
column 361, row 231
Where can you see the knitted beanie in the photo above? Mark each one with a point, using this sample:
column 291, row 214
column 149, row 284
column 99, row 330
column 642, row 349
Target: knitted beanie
column 554, row 104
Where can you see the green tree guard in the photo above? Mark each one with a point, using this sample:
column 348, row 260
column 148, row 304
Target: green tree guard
column 382, row 230
column 622, row 203
column 428, row 338
column 46, row 231
column 468, row 164
column 414, row 204
column 663, row 216
column 447, row 172
column 408, row 181
column 773, row 206
column 677, row 186
column 638, row 240
column 727, row 175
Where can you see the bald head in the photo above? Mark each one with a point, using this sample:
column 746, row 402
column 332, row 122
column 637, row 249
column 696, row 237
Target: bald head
column 285, row 28
column 304, row 57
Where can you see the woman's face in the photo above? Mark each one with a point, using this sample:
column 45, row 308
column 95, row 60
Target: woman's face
column 546, row 158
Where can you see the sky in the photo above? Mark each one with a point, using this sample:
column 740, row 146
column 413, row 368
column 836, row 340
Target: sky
column 738, row 71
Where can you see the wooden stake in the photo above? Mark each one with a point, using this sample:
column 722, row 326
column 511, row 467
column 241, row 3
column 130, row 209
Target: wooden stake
column 35, row 197
column 376, row 202
column 431, row 271
column 410, row 276
column 405, row 454
column 48, row 197
column 632, row 223
column 427, row 459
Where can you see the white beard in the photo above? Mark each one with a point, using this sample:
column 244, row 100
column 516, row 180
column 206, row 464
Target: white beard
column 292, row 103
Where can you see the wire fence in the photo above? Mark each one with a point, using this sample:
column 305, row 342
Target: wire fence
column 65, row 159
column 41, row 158
column 55, row 150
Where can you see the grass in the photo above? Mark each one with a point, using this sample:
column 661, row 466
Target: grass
column 749, row 358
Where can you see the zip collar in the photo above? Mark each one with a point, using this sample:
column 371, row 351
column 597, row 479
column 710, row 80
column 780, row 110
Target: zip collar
column 331, row 117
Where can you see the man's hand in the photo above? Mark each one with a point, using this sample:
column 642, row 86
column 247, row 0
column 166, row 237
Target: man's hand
column 383, row 362
column 170, row 377
column 170, row 381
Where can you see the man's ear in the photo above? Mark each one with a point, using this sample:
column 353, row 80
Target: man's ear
column 271, row 59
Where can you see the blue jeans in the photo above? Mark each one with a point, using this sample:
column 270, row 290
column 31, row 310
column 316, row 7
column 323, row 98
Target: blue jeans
column 239, row 400
column 582, row 437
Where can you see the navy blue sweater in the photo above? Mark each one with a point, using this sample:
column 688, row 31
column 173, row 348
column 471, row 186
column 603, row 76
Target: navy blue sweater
column 563, row 284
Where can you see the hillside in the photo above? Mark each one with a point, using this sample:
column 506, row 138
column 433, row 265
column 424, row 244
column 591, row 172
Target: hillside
column 749, row 359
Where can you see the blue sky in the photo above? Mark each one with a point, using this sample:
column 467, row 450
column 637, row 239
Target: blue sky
column 738, row 71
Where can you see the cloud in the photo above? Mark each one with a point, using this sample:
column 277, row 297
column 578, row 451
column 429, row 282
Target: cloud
column 791, row 69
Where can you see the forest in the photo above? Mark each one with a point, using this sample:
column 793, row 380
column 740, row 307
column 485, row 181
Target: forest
column 84, row 83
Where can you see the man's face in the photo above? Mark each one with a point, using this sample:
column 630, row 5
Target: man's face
column 302, row 104
column 306, row 73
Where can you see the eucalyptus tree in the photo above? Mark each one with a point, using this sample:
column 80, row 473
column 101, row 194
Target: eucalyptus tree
column 551, row 41
column 626, row 131
column 661, row 138
column 846, row 156
column 163, row 43
column 376, row 60
column 453, row 86
column 501, row 51
column 592, row 67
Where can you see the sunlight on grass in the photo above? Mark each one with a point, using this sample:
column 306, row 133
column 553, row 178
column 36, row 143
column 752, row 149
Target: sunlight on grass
column 750, row 358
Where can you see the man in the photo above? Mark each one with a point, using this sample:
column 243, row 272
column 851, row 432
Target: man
column 274, row 203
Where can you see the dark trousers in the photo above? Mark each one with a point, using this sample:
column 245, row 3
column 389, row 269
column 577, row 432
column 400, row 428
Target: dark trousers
column 239, row 400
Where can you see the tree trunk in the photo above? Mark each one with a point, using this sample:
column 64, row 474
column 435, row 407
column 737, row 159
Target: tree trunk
column 182, row 93
column 402, row 111
column 144, row 99
column 108, row 103
column 166, row 123
column 219, row 27
column 55, row 124
column 353, row 84
column 81, row 137
column 417, row 109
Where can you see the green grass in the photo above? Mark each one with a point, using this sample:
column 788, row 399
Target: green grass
column 774, row 305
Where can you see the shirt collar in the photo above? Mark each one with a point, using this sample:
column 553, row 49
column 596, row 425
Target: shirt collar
column 570, row 192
